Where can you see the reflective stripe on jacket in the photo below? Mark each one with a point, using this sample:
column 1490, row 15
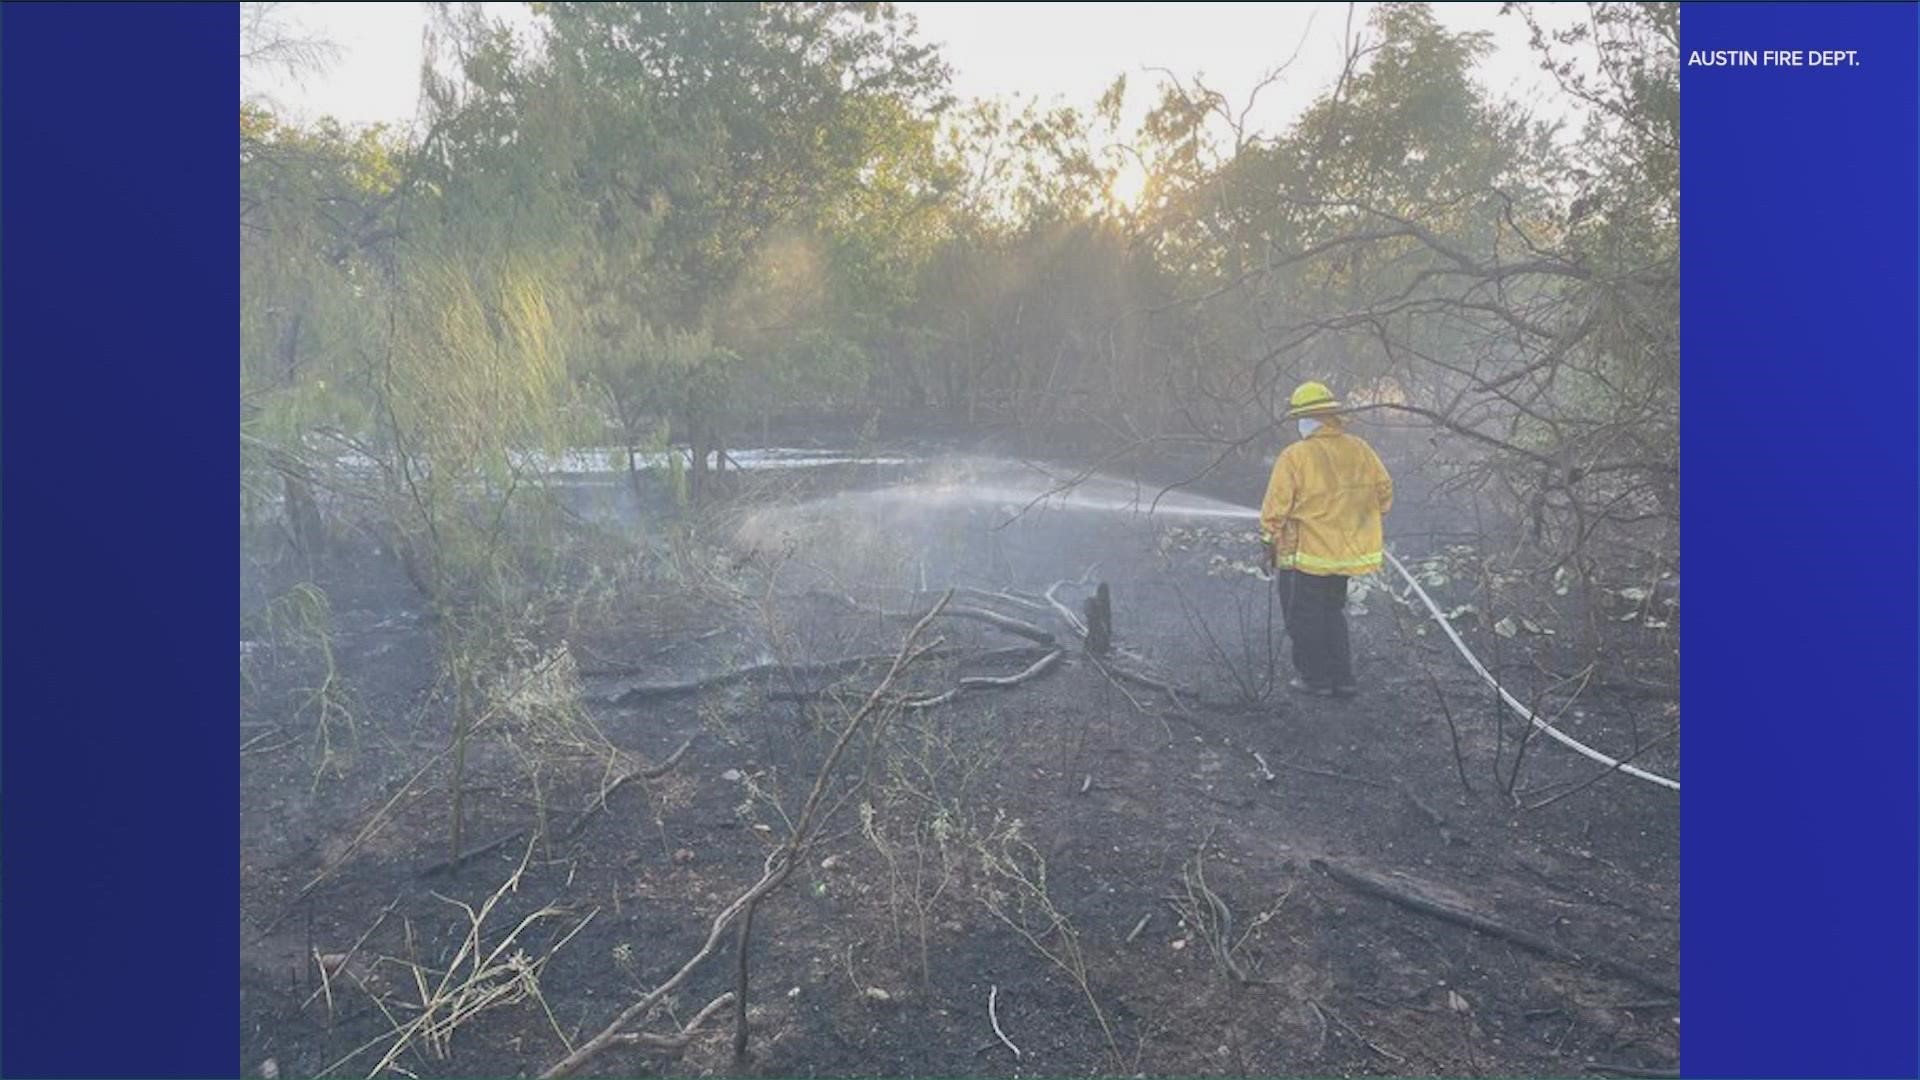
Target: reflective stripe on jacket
column 1324, row 504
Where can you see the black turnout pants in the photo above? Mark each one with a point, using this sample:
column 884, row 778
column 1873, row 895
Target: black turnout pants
column 1315, row 608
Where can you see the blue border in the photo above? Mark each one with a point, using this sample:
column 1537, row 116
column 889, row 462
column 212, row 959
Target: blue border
column 118, row 545
column 1799, row 229
column 118, row 276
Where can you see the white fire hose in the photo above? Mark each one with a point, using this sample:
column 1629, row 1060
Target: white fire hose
column 1557, row 735
column 1554, row 733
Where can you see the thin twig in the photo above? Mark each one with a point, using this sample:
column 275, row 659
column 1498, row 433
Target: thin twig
column 988, row 682
column 1328, row 1014
column 652, row 772
column 686, row 1033
column 779, row 864
column 380, row 818
column 1606, row 1069
column 993, row 997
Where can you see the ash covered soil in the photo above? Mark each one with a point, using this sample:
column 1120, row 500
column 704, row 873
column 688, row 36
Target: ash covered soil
column 1139, row 885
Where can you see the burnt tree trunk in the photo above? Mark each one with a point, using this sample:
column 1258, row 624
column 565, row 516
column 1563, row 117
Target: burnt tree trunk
column 1099, row 609
column 303, row 518
column 633, row 475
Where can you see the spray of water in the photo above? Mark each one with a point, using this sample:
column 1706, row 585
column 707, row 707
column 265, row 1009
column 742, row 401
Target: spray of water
column 1016, row 489
column 979, row 519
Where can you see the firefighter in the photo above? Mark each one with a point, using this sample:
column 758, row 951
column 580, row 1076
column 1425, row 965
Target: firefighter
column 1320, row 523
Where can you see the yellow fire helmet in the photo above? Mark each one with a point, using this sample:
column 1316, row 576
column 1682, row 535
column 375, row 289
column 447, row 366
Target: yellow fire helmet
column 1312, row 399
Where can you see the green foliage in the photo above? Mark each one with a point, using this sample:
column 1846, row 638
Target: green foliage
column 295, row 628
column 657, row 224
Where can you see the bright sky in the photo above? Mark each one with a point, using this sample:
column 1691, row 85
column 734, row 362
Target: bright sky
column 1068, row 51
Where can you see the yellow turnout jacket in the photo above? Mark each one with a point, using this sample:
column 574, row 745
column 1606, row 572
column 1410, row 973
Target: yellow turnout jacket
column 1324, row 504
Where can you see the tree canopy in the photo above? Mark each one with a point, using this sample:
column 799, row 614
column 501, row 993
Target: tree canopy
column 646, row 225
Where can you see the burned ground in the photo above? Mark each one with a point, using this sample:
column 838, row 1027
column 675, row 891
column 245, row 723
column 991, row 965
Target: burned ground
column 1137, row 884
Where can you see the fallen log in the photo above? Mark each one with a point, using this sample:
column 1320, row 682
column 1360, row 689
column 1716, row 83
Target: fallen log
column 991, row 682
column 1366, row 883
column 988, row 682
column 1066, row 613
column 652, row 772
column 662, row 691
column 1011, row 652
column 792, row 672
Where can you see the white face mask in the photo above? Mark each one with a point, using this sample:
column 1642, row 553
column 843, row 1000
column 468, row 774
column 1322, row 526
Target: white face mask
column 1308, row 426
